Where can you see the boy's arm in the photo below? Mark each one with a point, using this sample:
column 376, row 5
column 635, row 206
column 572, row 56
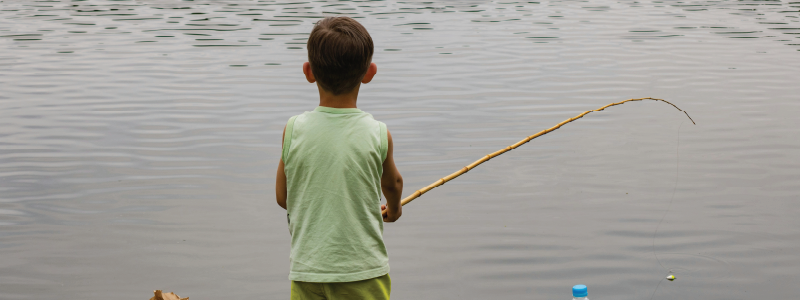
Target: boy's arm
column 391, row 185
column 280, row 180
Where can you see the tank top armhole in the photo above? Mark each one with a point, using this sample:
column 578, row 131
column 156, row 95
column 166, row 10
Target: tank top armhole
column 384, row 141
column 287, row 139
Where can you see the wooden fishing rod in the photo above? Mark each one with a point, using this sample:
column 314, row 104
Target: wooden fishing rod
column 489, row 156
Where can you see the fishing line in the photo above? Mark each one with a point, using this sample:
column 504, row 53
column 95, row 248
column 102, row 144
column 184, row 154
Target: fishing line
column 669, row 207
column 489, row 156
column 677, row 170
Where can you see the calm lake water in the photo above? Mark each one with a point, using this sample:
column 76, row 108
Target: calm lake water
column 139, row 141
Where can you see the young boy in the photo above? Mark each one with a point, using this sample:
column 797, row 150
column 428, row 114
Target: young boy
column 336, row 161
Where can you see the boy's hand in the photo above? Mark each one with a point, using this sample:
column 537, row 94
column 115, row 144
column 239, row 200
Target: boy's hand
column 390, row 216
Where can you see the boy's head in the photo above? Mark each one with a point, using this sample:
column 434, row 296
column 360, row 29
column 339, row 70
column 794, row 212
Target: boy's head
column 339, row 52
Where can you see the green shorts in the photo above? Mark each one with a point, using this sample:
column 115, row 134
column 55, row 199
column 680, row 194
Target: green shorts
column 377, row 288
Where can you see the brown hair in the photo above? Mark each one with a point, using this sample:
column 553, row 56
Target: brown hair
column 339, row 52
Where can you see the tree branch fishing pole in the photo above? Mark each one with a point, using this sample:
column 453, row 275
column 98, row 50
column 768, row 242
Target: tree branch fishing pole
column 489, row 156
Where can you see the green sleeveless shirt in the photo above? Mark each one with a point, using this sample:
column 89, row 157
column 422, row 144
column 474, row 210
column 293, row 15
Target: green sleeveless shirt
column 333, row 160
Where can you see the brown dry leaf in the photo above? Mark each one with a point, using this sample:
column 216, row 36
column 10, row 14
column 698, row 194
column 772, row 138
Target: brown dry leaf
column 166, row 296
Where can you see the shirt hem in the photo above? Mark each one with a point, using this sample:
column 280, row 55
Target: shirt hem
column 335, row 277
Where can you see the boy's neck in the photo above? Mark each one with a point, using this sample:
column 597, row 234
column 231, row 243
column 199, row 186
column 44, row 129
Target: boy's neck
column 347, row 100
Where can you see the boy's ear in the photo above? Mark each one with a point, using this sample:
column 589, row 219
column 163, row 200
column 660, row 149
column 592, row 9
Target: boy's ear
column 371, row 71
column 309, row 74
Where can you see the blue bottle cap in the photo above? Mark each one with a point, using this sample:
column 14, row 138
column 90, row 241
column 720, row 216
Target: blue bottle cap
column 579, row 291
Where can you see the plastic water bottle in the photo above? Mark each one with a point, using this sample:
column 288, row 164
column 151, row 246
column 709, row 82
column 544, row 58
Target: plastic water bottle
column 579, row 292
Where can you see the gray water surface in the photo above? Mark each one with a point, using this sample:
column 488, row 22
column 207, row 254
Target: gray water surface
column 139, row 141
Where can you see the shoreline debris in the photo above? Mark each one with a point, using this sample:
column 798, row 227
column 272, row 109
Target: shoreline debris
column 166, row 296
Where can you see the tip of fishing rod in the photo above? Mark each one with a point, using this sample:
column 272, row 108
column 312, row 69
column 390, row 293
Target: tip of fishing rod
column 690, row 118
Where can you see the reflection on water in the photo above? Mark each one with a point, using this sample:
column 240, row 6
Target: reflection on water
column 138, row 142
